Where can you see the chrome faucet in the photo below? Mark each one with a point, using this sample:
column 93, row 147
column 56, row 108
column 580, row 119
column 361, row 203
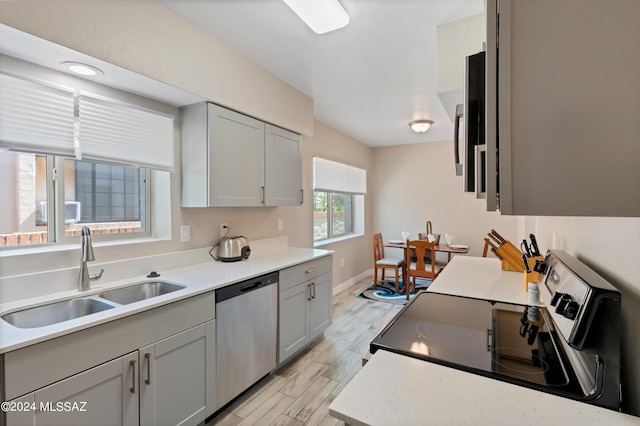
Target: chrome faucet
column 86, row 249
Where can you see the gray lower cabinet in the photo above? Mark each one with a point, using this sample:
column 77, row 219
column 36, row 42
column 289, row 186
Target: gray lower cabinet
column 160, row 384
column 165, row 377
column 320, row 305
column 172, row 383
column 305, row 306
column 106, row 394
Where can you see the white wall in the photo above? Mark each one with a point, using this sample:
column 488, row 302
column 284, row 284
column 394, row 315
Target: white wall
column 416, row 183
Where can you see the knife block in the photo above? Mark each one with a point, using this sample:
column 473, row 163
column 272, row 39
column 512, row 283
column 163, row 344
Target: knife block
column 511, row 257
column 531, row 276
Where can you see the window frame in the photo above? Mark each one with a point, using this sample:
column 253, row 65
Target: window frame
column 58, row 200
column 351, row 220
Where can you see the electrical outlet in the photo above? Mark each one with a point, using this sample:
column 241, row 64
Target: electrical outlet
column 342, row 261
column 224, row 229
column 185, row 233
column 279, row 224
column 554, row 240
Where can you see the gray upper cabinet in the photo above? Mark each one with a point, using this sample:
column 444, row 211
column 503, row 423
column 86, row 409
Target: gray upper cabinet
column 232, row 160
column 283, row 163
column 568, row 85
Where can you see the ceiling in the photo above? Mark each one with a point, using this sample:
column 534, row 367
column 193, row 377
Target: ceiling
column 367, row 80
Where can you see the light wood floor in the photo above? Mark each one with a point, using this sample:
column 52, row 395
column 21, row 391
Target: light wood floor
column 300, row 392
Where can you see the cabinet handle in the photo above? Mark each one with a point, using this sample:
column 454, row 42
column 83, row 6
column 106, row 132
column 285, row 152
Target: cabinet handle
column 262, row 195
column 310, row 270
column 489, row 340
column 147, row 356
column 308, row 291
column 302, row 196
column 132, row 363
column 313, row 290
column 456, row 132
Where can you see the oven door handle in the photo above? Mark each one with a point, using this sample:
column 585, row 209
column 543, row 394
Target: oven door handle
column 489, row 340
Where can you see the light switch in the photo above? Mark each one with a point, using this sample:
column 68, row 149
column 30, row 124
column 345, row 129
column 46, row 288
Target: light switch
column 185, row 233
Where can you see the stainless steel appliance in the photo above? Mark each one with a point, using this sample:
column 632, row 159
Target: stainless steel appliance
column 571, row 348
column 472, row 167
column 232, row 249
column 246, row 335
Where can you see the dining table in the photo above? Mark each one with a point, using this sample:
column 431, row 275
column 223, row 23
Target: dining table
column 443, row 248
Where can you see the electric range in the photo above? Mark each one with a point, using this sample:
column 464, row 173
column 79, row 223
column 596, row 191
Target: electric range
column 570, row 348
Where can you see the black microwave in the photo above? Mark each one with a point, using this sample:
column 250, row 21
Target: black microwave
column 472, row 166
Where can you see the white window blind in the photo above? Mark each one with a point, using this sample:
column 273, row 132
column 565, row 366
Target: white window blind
column 35, row 118
column 121, row 133
column 331, row 176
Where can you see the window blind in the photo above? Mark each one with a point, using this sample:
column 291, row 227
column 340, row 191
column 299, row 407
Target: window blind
column 125, row 134
column 35, row 118
column 331, row 176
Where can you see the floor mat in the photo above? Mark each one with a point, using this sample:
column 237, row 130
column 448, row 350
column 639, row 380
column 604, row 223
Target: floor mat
column 386, row 291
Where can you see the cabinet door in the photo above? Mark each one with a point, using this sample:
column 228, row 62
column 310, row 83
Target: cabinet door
column 21, row 416
column 172, row 379
column 568, row 107
column 236, row 159
column 106, row 394
column 320, row 305
column 294, row 332
column 283, row 167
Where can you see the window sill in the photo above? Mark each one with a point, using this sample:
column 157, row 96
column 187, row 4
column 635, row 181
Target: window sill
column 60, row 247
column 321, row 243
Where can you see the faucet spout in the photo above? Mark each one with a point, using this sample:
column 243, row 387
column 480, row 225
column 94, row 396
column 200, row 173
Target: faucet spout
column 86, row 250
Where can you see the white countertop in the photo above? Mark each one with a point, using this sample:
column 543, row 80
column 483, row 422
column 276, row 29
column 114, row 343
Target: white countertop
column 393, row 389
column 199, row 278
column 481, row 278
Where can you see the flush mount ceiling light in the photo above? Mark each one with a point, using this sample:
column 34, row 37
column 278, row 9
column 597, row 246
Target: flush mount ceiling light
column 321, row 16
column 420, row 126
column 82, row 69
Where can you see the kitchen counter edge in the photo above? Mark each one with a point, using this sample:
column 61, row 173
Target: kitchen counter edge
column 199, row 278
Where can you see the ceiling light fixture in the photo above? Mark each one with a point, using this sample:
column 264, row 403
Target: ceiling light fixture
column 82, row 69
column 420, row 126
column 321, row 16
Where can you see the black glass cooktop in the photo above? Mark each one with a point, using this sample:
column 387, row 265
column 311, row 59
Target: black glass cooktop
column 504, row 341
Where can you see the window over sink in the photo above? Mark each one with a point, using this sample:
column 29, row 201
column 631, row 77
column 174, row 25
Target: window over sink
column 69, row 159
column 110, row 199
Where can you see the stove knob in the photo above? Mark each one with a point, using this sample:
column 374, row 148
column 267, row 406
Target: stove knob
column 540, row 267
column 555, row 298
column 571, row 311
column 564, row 301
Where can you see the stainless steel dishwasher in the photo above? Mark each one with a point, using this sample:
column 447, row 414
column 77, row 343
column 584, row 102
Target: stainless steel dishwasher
column 246, row 335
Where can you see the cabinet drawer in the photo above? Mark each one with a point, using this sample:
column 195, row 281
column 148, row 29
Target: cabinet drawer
column 305, row 271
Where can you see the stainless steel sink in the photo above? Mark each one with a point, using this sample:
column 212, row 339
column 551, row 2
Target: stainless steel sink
column 55, row 312
column 142, row 291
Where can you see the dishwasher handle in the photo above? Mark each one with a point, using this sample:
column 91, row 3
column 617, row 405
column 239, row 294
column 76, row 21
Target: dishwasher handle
column 250, row 287
column 244, row 287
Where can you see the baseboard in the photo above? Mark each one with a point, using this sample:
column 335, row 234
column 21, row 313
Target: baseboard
column 345, row 285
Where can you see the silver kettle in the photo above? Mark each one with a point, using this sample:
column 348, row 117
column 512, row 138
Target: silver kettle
column 232, row 249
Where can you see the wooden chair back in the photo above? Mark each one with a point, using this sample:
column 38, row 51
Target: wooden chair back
column 378, row 247
column 420, row 268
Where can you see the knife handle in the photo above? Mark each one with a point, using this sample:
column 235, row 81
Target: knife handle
column 498, row 236
column 534, row 245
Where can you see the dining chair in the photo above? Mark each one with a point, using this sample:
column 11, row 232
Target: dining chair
column 419, row 267
column 383, row 263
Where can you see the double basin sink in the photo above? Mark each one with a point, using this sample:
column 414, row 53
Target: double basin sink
column 65, row 310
